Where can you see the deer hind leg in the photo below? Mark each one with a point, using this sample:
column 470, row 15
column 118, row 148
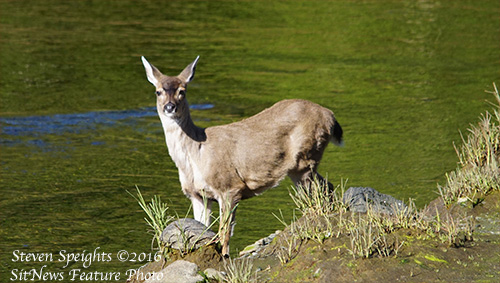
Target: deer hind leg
column 202, row 209
column 306, row 177
column 305, row 172
column 227, row 217
column 324, row 182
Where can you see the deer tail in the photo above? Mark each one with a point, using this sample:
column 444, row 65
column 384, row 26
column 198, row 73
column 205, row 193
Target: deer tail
column 336, row 132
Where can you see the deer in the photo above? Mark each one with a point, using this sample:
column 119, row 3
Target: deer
column 232, row 162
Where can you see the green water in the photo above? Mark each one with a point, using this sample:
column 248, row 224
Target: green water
column 403, row 77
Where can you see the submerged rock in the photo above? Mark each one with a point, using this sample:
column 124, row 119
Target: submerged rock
column 187, row 234
column 358, row 199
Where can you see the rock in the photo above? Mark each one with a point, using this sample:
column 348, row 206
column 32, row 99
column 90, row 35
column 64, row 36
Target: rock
column 357, row 199
column 187, row 234
column 258, row 245
column 179, row 271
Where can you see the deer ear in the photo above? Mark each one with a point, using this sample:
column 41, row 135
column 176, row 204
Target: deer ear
column 151, row 71
column 187, row 74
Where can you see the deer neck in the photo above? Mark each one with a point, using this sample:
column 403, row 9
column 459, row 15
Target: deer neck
column 183, row 138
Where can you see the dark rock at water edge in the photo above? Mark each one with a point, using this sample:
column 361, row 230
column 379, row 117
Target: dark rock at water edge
column 358, row 199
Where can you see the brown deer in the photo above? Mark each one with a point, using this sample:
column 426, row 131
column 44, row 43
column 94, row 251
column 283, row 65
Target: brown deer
column 240, row 160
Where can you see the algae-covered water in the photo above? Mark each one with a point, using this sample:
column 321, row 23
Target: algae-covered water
column 78, row 127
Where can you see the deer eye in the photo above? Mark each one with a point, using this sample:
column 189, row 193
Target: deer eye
column 182, row 92
column 158, row 92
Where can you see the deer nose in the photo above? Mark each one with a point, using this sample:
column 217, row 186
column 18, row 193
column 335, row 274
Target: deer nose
column 170, row 107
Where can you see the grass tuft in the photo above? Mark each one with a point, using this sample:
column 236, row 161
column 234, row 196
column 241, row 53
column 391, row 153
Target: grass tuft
column 316, row 198
column 157, row 217
column 239, row 271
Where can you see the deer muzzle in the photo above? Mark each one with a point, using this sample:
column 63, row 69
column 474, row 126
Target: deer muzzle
column 169, row 108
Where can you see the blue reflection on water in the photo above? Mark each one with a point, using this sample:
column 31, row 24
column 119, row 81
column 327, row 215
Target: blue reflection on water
column 37, row 126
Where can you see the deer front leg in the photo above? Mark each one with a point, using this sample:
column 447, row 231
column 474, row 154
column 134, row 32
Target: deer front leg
column 226, row 220
column 202, row 209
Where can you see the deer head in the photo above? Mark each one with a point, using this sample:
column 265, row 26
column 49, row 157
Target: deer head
column 170, row 91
